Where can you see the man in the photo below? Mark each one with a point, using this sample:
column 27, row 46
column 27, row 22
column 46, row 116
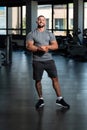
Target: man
column 40, row 42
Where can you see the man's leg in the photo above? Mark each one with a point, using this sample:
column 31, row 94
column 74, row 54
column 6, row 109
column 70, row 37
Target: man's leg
column 60, row 101
column 38, row 86
column 40, row 102
column 56, row 86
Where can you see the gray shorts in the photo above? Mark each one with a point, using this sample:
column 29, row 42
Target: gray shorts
column 40, row 66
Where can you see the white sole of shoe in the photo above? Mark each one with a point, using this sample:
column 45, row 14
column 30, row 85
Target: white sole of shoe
column 42, row 105
column 61, row 105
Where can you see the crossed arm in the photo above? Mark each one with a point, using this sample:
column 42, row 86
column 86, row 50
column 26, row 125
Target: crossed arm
column 30, row 46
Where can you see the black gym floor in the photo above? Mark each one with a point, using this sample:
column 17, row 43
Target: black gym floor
column 18, row 96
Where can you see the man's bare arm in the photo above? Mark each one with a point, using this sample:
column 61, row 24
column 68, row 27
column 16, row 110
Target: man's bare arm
column 53, row 46
column 30, row 46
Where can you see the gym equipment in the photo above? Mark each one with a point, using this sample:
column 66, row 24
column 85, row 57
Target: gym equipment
column 2, row 57
column 74, row 38
column 9, row 50
column 6, row 53
column 72, row 46
column 85, row 37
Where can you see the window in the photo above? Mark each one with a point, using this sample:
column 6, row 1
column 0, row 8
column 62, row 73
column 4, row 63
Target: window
column 70, row 19
column 13, row 20
column 60, row 18
column 24, row 20
column 47, row 23
column 2, row 20
column 59, row 24
column 85, row 15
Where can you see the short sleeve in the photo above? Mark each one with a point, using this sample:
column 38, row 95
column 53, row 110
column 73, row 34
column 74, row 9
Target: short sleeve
column 29, row 37
column 52, row 37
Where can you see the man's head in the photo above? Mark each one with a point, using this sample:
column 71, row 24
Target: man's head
column 41, row 21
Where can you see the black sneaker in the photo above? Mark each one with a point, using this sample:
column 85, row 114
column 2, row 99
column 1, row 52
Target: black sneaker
column 40, row 103
column 62, row 103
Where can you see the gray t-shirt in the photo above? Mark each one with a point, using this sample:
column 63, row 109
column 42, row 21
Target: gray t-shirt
column 41, row 38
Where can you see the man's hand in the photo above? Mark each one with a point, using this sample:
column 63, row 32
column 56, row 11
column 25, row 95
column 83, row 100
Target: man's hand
column 43, row 48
